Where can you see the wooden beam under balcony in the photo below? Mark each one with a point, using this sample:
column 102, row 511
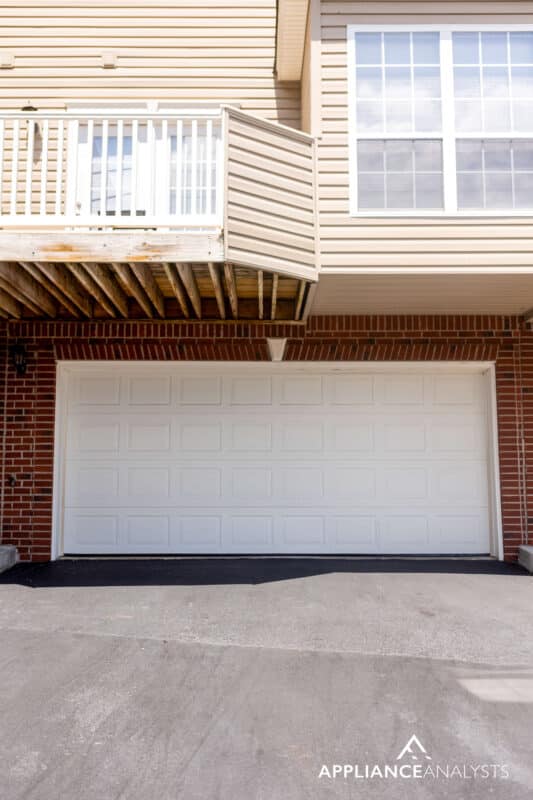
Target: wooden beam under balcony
column 148, row 247
column 172, row 291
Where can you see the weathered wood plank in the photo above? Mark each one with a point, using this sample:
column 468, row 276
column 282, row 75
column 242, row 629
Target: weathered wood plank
column 300, row 300
column 131, row 284
column 274, row 298
column 58, row 281
column 9, row 305
column 105, row 279
column 145, row 276
column 107, row 247
column 189, row 281
column 90, row 285
column 34, row 271
column 16, row 282
column 231, row 289
column 260, row 293
column 177, row 288
column 214, row 272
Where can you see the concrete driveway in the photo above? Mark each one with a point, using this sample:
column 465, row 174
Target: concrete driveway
column 247, row 679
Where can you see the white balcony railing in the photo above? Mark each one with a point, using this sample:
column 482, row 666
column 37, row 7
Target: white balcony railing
column 112, row 170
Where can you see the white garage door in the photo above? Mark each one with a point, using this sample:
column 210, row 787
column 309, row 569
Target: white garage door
column 265, row 458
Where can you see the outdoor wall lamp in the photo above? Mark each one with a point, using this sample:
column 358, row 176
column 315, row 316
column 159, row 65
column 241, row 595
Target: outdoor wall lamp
column 19, row 358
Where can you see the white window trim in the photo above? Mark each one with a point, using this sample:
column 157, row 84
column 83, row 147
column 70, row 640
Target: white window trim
column 448, row 133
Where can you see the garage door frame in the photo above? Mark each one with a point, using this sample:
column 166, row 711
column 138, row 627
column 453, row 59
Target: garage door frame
column 487, row 369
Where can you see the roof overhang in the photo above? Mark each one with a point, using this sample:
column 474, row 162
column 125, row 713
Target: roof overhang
column 290, row 39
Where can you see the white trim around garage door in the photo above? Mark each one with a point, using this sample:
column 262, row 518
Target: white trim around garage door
column 486, row 368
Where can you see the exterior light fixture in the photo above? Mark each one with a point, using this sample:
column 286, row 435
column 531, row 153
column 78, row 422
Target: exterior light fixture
column 19, row 358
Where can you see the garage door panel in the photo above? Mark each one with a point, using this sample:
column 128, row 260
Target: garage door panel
column 148, row 437
column 460, row 483
column 94, row 390
column 250, row 437
column 456, row 390
column 87, row 485
column 149, row 391
column 275, row 458
column 403, row 390
column 350, row 390
column 200, row 390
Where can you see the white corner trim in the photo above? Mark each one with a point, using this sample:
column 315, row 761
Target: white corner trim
column 494, row 467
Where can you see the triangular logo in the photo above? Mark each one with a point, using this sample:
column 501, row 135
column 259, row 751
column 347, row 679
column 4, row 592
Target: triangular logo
column 415, row 749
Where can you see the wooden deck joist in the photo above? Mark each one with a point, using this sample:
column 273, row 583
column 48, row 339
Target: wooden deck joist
column 168, row 290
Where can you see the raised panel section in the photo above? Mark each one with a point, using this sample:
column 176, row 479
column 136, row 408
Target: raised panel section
column 91, row 531
column 405, row 437
column 456, row 436
column 201, row 390
column 197, row 533
column 357, row 437
column 301, row 436
column 201, row 437
column 252, row 532
column 404, row 532
column 301, row 484
column 455, row 389
column 351, row 484
column 354, row 532
column 460, row 531
column 252, row 484
column 404, row 483
column 404, row 389
column 352, row 389
column 148, row 532
column 152, row 391
column 144, row 437
column 304, row 531
column 200, row 483
column 302, row 390
column 251, row 437
column 148, row 484
column 253, row 391
column 93, row 484
column 99, row 436
column 460, row 483
column 99, row 391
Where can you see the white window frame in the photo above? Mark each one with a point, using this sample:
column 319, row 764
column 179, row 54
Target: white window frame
column 449, row 133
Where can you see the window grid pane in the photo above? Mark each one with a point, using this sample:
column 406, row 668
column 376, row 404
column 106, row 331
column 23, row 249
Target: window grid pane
column 400, row 174
column 398, row 83
column 493, row 81
column 494, row 174
column 399, row 109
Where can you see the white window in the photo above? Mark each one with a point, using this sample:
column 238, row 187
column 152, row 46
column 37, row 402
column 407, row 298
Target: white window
column 441, row 119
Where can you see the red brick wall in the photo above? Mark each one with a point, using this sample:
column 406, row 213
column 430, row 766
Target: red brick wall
column 28, row 408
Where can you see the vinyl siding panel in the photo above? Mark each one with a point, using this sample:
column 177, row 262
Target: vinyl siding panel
column 356, row 242
column 191, row 51
column 270, row 215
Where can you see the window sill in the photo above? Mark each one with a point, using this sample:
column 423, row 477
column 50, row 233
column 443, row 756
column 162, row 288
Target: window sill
column 442, row 215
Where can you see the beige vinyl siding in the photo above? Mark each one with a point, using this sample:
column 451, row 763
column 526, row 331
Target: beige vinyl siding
column 356, row 242
column 270, row 204
column 186, row 51
column 306, row 80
